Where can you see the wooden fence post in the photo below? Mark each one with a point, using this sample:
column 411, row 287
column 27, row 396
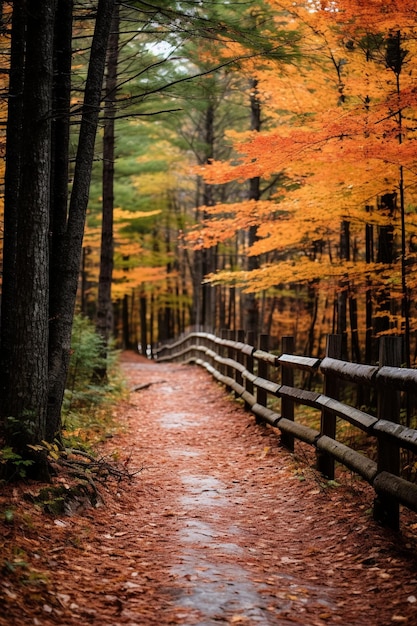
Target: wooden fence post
column 196, row 352
column 287, row 404
column 387, row 509
column 261, row 394
column 222, row 352
column 325, row 462
column 240, row 338
column 211, row 345
column 230, row 335
column 250, row 340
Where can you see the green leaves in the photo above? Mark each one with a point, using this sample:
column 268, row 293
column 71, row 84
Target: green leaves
column 15, row 462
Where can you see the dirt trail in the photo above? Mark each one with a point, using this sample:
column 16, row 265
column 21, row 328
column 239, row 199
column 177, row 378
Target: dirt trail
column 221, row 526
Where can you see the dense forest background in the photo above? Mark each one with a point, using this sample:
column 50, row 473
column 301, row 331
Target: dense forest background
column 274, row 191
column 239, row 165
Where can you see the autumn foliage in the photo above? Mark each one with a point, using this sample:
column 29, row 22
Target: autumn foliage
column 307, row 215
column 339, row 134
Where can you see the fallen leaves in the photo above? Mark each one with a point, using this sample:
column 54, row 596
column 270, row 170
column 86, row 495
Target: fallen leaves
column 310, row 555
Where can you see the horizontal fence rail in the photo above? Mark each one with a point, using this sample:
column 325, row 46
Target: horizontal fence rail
column 252, row 373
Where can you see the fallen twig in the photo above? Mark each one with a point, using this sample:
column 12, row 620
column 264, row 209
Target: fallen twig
column 101, row 467
column 146, row 385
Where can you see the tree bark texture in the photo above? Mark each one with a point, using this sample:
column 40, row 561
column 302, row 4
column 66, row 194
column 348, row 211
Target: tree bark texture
column 25, row 402
column 68, row 271
column 251, row 301
column 59, row 180
column 342, row 297
column 208, row 254
column 12, row 187
column 104, row 308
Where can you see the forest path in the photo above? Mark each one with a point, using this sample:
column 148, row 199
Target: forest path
column 221, row 526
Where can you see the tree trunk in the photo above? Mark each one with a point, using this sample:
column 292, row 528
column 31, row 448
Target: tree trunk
column 151, row 325
column 353, row 317
column 385, row 254
column 143, row 324
column 208, row 264
column 67, row 273
column 25, row 402
column 60, row 128
column 312, row 307
column 343, row 289
column 369, row 257
column 252, row 323
column 104, row 308
column 126, row 342
column 59, row 180
column 11, row 193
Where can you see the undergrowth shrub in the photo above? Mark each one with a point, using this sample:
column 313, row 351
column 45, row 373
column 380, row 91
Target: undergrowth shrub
column 88, row 402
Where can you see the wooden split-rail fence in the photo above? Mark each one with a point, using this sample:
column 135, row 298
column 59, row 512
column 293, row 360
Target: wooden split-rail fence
column 259, row 377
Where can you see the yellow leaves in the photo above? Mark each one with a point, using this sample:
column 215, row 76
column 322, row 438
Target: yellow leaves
column 127, row 248
column 51, row 449
column 301, row 269
column 120, row 215
column 126, row 280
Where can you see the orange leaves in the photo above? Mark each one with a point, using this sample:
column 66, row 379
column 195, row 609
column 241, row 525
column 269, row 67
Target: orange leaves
column 226, row 219
column 341, row 125
column 342, row 103
column 346, row 136
column 375, row 16
column 302, row 270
